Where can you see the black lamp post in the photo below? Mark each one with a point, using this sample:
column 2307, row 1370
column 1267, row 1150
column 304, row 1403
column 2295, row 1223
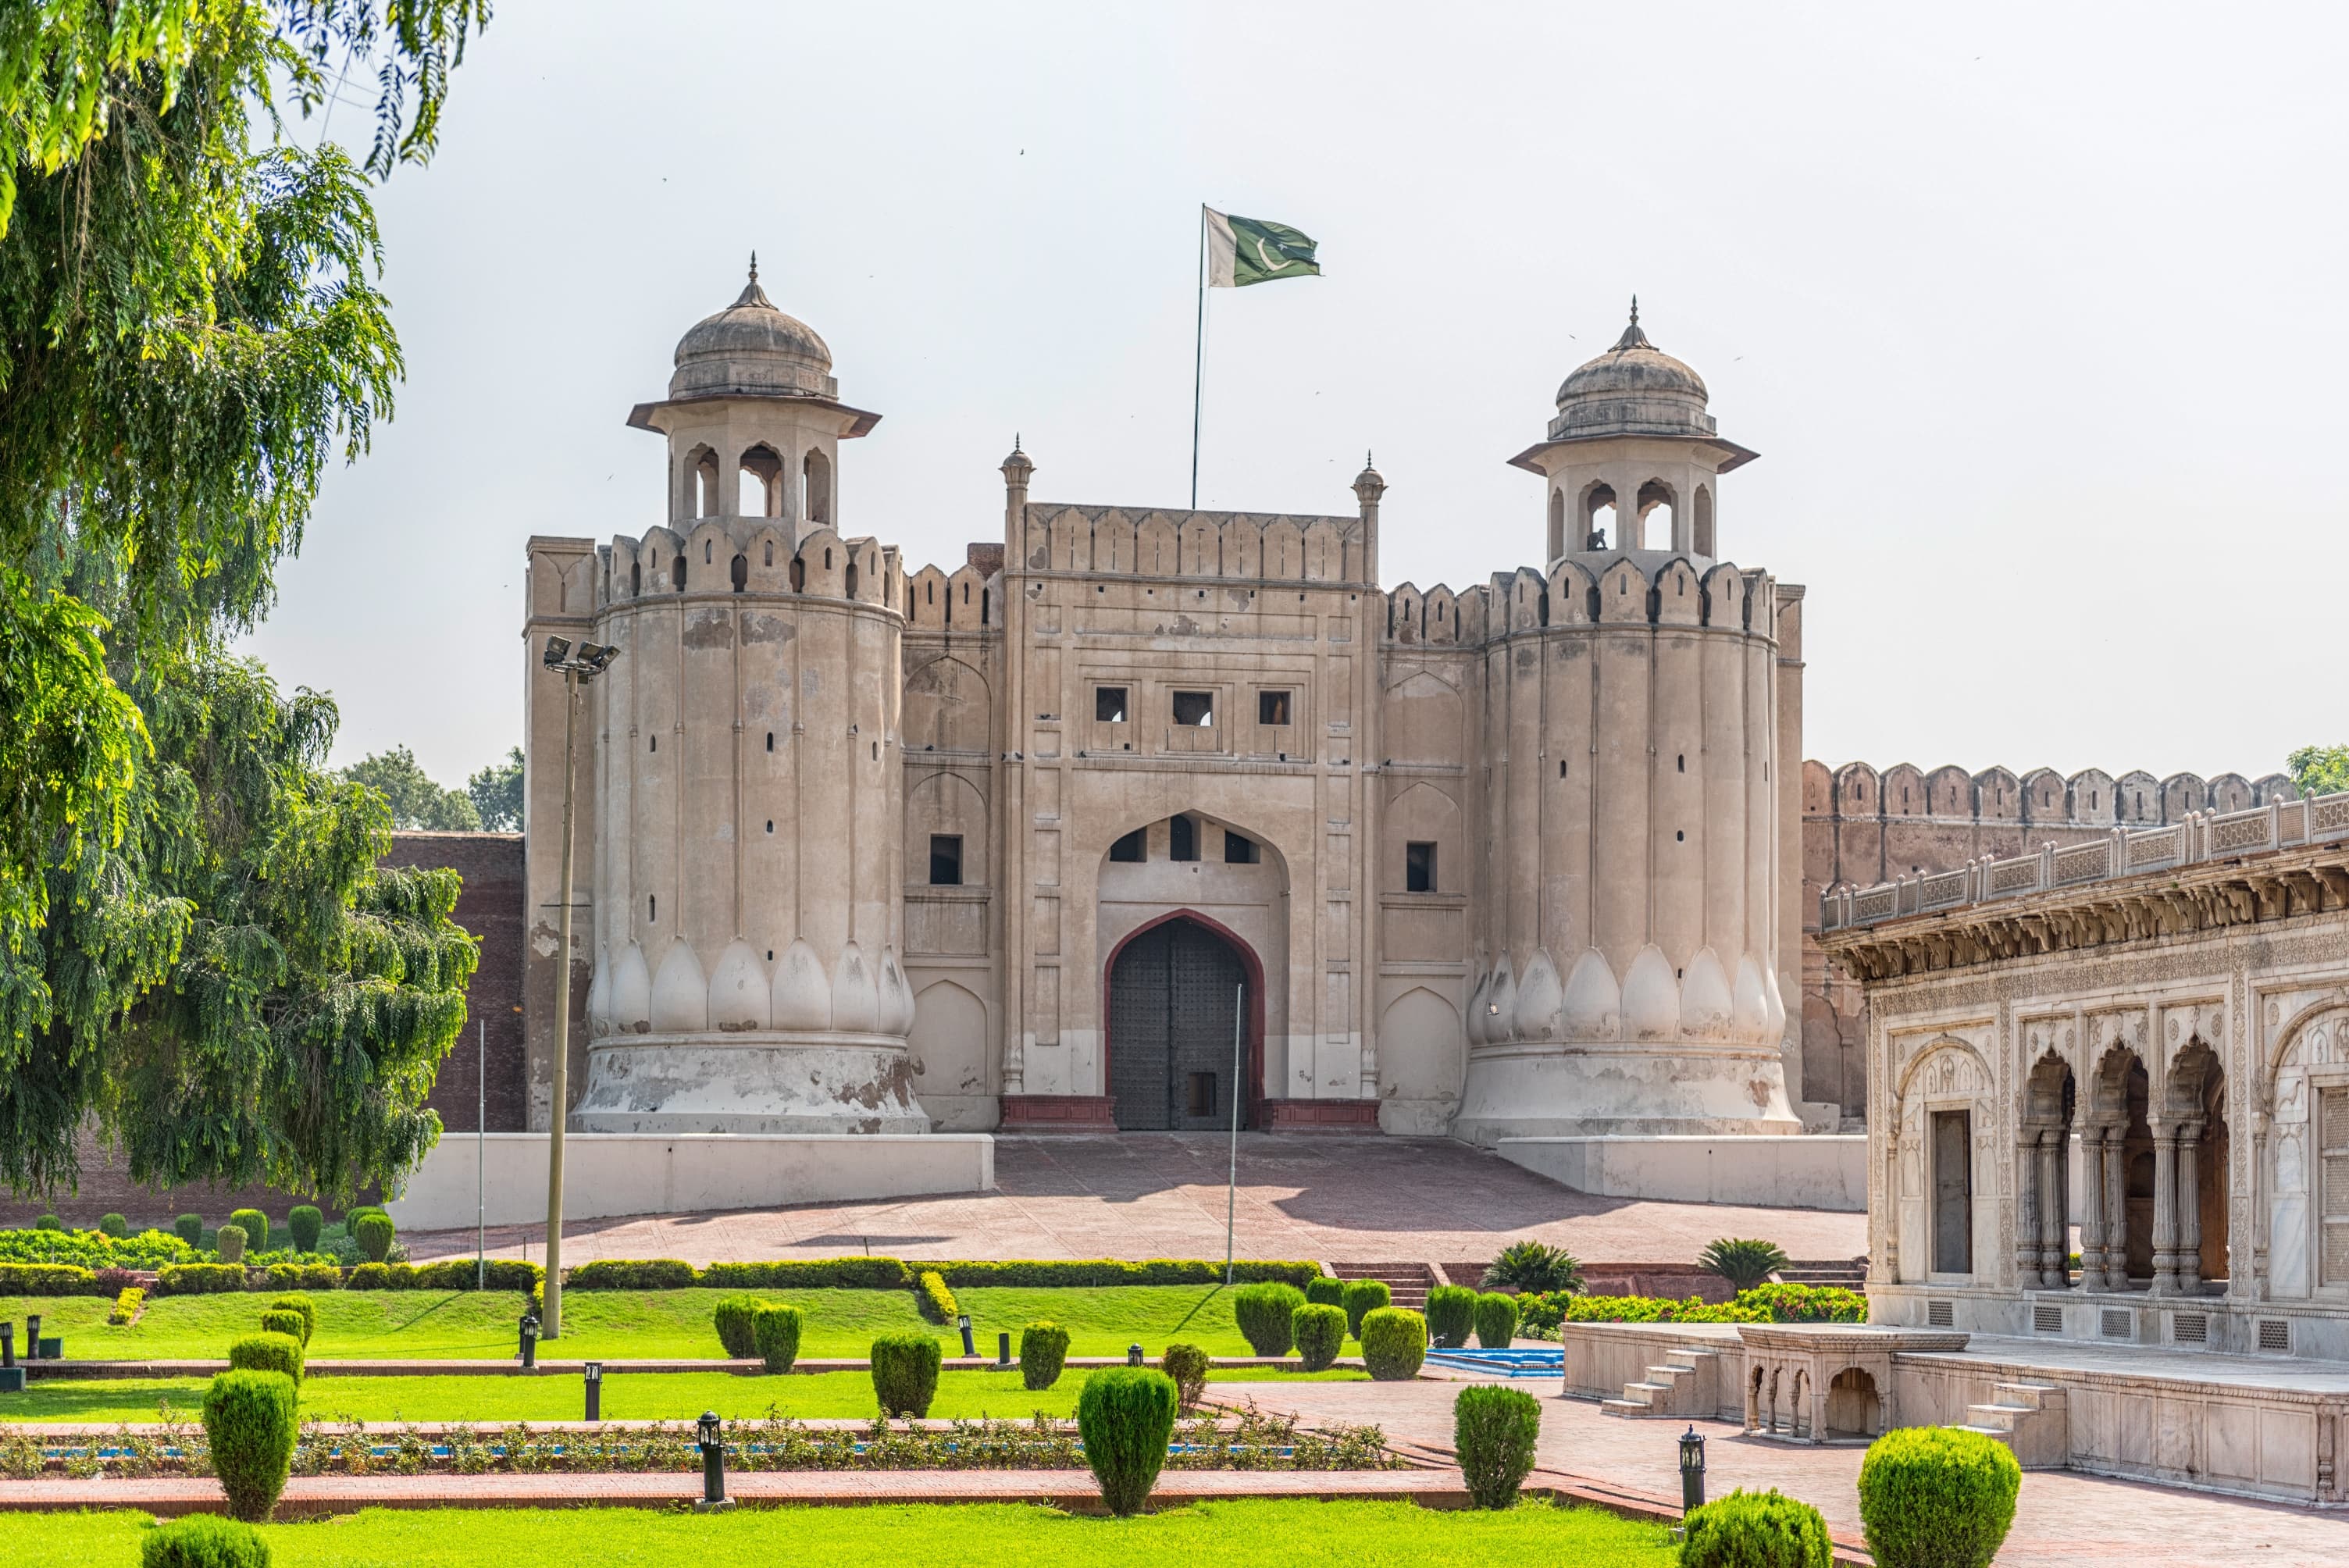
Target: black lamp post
column 1003, row 1352
column 32, row 1336
column 593, row 1372
column 963, row 1323
column 7, row 1344
column 1692, row 1469
column 528, row 1350
column 1134, row 1356
column 713, row 1466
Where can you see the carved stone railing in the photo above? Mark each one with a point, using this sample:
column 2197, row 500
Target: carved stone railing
column 2202, row 836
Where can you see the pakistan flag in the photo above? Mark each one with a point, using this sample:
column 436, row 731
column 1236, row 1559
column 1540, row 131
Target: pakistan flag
column 1244, row 251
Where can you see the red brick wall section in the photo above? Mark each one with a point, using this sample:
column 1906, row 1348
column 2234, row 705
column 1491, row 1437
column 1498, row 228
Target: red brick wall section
column 491, row 907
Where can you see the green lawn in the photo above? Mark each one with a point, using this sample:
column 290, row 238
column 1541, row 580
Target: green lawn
column 614, row 1324
column 561, row 1397
column 1354, row 1534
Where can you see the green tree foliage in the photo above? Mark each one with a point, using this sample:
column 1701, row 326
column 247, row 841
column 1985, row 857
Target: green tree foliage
column 195, row 952
column 1743, row 1261
column 497, row 794
column 2320, row 770
column 416, row 801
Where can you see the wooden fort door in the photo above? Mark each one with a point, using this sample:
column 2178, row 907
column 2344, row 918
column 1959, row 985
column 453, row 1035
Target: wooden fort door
column 1173, row 1001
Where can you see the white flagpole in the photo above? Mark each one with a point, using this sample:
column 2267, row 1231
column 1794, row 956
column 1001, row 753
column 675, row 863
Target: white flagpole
column 1199, row 356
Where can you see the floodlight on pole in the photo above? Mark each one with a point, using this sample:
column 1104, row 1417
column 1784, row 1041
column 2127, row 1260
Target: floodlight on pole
column 576, row 669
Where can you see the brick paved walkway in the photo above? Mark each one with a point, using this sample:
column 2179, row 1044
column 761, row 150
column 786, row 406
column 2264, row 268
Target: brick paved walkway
column 2063, row 1517
column 1140, row 1195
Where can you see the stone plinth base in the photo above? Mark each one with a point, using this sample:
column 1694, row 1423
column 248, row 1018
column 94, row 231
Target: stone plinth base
column 1320, row 1115
column 610, row 1174
column 1824, row 1171
column 766, row 1081
column 1688, row 1088
column 1059, row 1113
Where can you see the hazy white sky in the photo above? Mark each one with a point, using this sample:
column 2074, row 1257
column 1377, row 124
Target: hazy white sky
column 2036, row 316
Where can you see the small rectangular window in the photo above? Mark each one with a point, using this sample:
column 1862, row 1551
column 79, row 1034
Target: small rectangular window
column 946, row 860
column 1129, row 850
column 1272, row 707
column 1239, row 850
column 1181, row 839
column 1419, row 867
column 1194, row 707
column 1109, row 705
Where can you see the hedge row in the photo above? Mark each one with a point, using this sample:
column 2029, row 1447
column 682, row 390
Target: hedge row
column 1763, row 1303
column 896, row 1274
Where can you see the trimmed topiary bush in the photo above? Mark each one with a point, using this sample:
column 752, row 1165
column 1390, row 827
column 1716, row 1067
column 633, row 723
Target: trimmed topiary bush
column 1188, row 1366
column 1394, row 1342
column 189, row 1228
column 279, row 1321
column 374, row 1232
column 905, row 1373
column 1125, row 1415
column 775, row 1334
column 249, row 1423
column 1043, row 1351
column 1323, row 1291
column 382, row 1276
column 199, row 1279
column 731, row 1317
column 228, row 1243
column 931, row 1294
column 1494, row 1431
column 630, row 1273
column 303, row 1223
column 1756, row 1530
column 269, row 1351
column 1496, row 1321
column 295, row 1302
column 255, row 1226
column 114, row 1225
column 1321, row 1334
column 203, row 1540
column 48, row 1222
column 1362, row 1298
column 48, row 1279
column 1451, row 1315
column 1264, row 1313
column 1937, row 1497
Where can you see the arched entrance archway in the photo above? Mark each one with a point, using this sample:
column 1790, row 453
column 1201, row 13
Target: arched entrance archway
column 1178, row 988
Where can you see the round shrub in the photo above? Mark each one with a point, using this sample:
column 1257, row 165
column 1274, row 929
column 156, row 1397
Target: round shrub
column 278, row 1320
column 114, row 1225
column 1320, row 1334
column 1755, row 1530
column 1362, row 1298
column 295, row 1301
column 1125, row 1415
column 1395, row 1342
column 48, row 1222
column 228, row 1243
column 268, row 1352
column 1264, row 1313
column 1323, row 1291
column 189, row 1228
column 249, row 1422
column 255, row 1226
column 1937, row 1497
column 1494, row 1431
column 203, row 1540
column 905, row 1373
column 374, row 1232
column 303, row 1223
column 1187, row 1364
column 731, row 1317
column 1043, row 1351
column 1496, row 1321
column 1451, row 1315
column 775, row 1334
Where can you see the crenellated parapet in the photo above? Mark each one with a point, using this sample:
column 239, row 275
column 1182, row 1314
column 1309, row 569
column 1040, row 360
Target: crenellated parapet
column 1152, row 543
column 2091, row 798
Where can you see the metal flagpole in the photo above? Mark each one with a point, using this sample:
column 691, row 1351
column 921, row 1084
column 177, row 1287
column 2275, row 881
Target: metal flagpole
column 482, row 1154
column 1232, row 1188
column 1199, row 357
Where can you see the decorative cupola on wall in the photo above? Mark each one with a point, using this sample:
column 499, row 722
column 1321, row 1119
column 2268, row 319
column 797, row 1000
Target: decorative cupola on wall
column 754, row 421
column 1632, row 446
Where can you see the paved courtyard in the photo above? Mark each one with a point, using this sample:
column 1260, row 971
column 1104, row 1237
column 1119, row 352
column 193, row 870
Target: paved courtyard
column 2062, row 1518
column 1145, row 1196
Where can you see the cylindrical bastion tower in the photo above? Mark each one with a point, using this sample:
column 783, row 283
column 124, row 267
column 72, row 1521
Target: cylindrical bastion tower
column 748, row 876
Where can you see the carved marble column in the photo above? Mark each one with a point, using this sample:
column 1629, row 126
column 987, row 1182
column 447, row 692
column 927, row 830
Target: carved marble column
column 2092, row 1209
column 2028, row 1199
column 2165, row 1208
column 2189, row 1209
column 2115, row 1208
column 2054, row 1224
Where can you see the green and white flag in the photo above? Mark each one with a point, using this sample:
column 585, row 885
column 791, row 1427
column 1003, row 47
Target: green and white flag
column 1244, row 251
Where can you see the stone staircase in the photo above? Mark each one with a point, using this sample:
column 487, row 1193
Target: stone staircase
column 1850, row 1273
column 1675, row 1388
column 1410, row 1283
column 2032, row 1418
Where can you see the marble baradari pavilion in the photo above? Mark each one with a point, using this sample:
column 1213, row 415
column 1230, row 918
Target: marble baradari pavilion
column 1047, row 837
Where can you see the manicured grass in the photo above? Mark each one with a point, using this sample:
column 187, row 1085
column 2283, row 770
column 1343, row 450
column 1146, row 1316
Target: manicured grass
column 1354, row 1534
column 612, row 1324
column 561, row 1397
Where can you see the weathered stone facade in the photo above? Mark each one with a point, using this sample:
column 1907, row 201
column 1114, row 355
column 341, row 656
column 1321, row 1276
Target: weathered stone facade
column 1056, row 836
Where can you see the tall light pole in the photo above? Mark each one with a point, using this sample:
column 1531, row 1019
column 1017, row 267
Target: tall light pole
column 577, row 670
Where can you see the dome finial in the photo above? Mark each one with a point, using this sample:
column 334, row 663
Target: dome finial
column 754, row 278
column 1632, row 336
column 752, row 293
